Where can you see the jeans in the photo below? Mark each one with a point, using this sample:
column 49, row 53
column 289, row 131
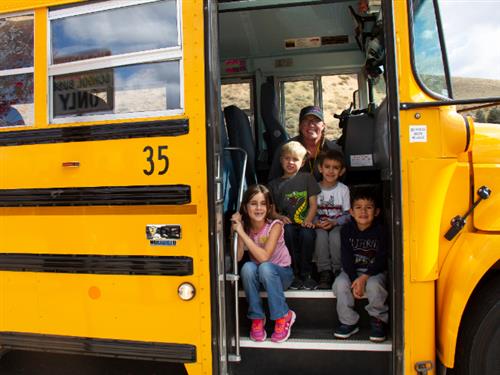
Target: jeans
column 327, row 249
column 375, row 291
column 274, row 280
column 300, row 241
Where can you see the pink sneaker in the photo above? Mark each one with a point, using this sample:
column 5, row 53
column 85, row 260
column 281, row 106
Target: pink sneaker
column 283, row 327
column 257, row 332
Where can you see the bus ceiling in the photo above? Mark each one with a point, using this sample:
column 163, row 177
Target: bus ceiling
column 283, row 36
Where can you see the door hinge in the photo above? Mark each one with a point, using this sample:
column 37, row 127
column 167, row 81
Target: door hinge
column 423, row 367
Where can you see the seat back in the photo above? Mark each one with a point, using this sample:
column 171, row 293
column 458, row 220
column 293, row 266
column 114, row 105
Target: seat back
column 275, row 134
column 240, row 135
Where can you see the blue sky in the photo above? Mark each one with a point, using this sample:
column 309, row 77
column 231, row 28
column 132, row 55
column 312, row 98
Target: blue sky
column 472, row 29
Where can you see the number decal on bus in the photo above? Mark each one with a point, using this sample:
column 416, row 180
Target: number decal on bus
column 151, row 160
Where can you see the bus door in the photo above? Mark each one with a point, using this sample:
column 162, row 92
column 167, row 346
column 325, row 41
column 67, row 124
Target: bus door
column 309, row 55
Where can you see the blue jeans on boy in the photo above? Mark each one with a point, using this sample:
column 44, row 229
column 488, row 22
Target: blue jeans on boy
column 274, row 280
column 300, row 241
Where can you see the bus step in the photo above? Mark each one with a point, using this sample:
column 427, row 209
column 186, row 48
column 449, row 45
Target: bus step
column 321, row 339
column 323, row 358
column 320, row 344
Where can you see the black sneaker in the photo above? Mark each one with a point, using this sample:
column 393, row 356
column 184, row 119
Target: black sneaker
column 296, row 284
column 345, row 331
column 309, row 283
column 377, row 330
column 325, row 280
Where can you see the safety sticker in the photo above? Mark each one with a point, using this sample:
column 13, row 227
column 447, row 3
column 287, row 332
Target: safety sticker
column 362, row 160
column 418, row 133
column 163, row 234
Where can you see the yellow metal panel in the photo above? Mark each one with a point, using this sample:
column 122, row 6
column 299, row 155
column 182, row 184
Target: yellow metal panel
column 40, row 75
column 144, row 308
column 98, row 230
column 470, row 258
column 486, row 166
column 105, row 163
column 486, row 215
column 428, row 186
column 19, row 5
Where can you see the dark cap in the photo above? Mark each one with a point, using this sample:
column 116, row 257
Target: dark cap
column 311, row 110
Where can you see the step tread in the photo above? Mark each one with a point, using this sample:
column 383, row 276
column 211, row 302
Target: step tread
column 320, row 344
column 322, row 339
column 328, row 294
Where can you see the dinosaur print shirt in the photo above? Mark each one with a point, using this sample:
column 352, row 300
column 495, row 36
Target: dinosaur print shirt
column 291, row 195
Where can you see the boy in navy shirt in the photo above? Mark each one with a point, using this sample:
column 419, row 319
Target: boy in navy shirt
column 364, row 264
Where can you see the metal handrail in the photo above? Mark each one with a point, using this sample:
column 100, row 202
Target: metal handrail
column 234, row 277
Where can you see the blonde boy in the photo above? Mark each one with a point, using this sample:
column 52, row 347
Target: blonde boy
column 294, row 196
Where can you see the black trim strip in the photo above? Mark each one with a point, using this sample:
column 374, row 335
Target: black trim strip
column 180, row 353
column 97, row 264
column 97, row 196
column 95, row 132
column 409, row 105
column 467, row 129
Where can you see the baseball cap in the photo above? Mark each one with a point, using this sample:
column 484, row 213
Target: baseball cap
column 311, row 110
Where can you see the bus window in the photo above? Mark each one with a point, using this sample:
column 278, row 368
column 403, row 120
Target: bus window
column 337, row 96
column 239, row 94
column 16, row 70
column 294, row 96
column 129, row 65
column 379, row 90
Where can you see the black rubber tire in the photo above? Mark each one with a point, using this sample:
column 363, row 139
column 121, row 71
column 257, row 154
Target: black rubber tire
column 478, row 346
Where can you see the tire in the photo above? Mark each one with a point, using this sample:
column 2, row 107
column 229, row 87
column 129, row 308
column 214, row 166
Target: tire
column 478, row 345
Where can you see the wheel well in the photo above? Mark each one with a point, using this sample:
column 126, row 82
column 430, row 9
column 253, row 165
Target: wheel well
column 490, row 280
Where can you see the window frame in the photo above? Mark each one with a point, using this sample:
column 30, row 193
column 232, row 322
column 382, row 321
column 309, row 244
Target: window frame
column 25, row 70
column 167, row 54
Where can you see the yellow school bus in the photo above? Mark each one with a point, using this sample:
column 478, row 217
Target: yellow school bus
column 129, row 128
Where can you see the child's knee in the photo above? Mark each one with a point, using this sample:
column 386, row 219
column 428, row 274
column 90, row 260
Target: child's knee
column 248, row 270
column 341, row 284
column 375, row 287
column 267, row 272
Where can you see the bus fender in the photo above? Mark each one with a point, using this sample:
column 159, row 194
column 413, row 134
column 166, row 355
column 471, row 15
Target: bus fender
column 470, row 258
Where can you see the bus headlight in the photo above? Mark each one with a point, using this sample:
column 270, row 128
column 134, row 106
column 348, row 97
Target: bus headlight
column 186, row 291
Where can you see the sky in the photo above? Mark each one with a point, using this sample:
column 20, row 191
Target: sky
column 476, row 52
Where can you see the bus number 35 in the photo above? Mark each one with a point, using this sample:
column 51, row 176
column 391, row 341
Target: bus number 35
column 161, row 158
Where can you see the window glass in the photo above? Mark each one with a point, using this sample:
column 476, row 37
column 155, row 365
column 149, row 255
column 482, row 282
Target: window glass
column 379, row 90
column 473, row 53
column 337, row 96
column 16, row 68
column 117, row 31
column 16, row 42
column 16, row 100
column 133, row 88
column 297, row 94
column 237, row 94
column 427, row 50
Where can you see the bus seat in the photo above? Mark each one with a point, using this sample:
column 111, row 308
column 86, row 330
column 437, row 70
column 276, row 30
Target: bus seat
column 229, row 177
column 275, row 134
column 240, row 135
column 359, row 132
column 381, row 141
